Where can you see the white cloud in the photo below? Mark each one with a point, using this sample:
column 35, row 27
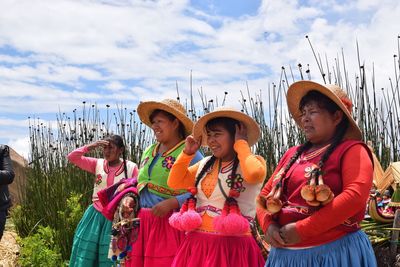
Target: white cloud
column 21, row 145
column 64, row 52
column 114, row 86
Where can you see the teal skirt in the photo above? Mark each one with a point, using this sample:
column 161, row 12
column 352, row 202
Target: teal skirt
column 91, row 241
column 352, row 250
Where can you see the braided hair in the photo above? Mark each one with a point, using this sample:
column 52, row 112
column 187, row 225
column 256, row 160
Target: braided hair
column 119, row 142
column 209, row 163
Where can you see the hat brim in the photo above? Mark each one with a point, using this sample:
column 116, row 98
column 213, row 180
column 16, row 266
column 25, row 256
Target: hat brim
column 299, row 89
column 253, row 129
column 145, row 109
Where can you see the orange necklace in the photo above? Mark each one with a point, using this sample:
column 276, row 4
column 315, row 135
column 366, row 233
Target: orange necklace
column 307, row 156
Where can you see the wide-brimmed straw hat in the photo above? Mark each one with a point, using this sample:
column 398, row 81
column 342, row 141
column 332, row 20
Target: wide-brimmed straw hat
column 145, row 109
column 299, row 89
column 253, row 130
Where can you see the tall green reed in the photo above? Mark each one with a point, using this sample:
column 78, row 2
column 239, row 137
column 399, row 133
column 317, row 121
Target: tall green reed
column 57, row 192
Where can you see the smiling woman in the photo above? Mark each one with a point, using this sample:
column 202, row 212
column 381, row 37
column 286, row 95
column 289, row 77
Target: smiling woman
column 217, row 217
column 157, row 242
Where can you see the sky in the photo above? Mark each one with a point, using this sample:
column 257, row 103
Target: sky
column 55, row 54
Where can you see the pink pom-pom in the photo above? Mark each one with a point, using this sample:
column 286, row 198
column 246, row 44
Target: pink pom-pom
column 190, row 220
column 235, row 224
column 218, row 221
column 231, row 222
column 174, row 221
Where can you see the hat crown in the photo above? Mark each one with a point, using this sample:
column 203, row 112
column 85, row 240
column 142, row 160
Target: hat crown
column 225, row 108
column 253, row 129
column 343, row 96
column 175, row 105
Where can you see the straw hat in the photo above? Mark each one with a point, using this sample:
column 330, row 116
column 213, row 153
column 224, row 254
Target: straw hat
column 145, row 109
column 299, row 89
column 253, row 130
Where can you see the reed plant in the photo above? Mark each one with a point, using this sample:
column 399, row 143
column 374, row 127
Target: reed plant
column 56, row 192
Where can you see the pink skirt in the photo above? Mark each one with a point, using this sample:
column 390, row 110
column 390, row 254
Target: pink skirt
column 157, row 242
column 204, row 249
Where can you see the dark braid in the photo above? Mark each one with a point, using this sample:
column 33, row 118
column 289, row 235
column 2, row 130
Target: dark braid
column 125, row 168
column 206, row 166
column 234, row 169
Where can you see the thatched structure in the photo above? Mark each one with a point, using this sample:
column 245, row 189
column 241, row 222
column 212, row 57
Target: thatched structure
column 19, row 164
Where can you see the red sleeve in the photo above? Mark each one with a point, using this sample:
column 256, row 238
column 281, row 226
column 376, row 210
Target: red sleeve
column 77, row 158
column 357, row 173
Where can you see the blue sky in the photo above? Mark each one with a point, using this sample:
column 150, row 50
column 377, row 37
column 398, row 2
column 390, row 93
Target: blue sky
column 56, row 54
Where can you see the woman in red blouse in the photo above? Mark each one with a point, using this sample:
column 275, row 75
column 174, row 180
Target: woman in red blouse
column 311, row 207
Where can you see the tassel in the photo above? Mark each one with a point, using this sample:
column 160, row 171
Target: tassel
column 231, row 220
column 218, row 221
column 273, row 202
column 330, row 198
column 190, row 220
column 322, row 191
column 187, row 219
column 234, row 222
column 308, row 191
column 174, row 219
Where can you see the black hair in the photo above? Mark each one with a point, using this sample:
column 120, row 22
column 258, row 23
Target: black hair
column 119, row 142
column 171, row 117
column 320, row 99
column 228, row 124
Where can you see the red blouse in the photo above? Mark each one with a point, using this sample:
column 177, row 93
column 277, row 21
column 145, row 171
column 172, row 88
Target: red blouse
column 348, row 172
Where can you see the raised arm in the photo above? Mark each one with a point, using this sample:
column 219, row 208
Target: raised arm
column 253, row 166
column 77, row 158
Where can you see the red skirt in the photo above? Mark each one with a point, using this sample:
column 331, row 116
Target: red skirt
column 204, row 249
column 157, row 242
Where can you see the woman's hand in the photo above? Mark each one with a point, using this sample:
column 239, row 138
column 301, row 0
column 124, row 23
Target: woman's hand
column 165, row 206
column 289, row 234
column 191, row 145
column 241, row 132
column 99, row 143
column 273, row 237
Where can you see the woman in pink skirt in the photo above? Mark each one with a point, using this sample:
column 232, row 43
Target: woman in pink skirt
column 224, row 186
column 157, row 242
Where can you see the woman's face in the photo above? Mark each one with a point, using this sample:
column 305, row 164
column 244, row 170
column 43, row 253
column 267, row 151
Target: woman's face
column 164, row 129
column 221, row 143
column 319, row 126
column 111, row 152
